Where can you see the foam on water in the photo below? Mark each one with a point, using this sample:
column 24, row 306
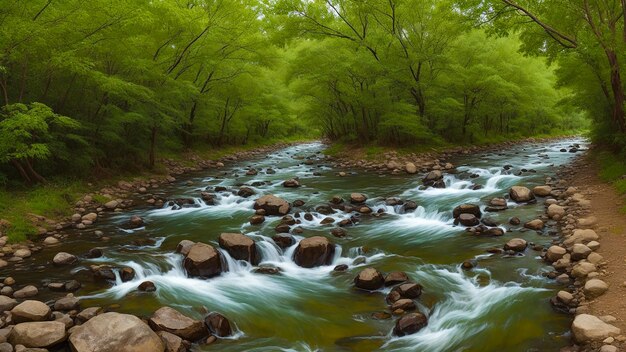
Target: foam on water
column 461, row 314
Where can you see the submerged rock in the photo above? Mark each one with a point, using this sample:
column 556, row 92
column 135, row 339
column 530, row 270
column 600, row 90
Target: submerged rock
column 218, row 325
column 410, row 324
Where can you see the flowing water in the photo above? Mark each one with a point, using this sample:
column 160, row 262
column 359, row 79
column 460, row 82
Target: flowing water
column 501, row 305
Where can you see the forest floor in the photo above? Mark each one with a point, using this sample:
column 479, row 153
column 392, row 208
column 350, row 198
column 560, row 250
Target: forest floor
column 606, row 206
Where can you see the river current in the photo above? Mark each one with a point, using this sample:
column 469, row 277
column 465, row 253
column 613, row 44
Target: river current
column 500, row 305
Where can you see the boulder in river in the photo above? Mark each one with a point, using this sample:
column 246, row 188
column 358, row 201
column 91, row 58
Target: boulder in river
column 170, row 320
column 357, row 198
column 203, row 260
column 314, row 251
column 410, row 324
column 291, row 183
column 115, row 332
column 516, row 244
column 239, row 246
column 218, row 325
column 63, row 258
column 468, row 220
column 283, row 240
column 409, row 290
column 184, row 247
column 172, row 342
column 369, row 279
column 245, row 192
column 536, row 225
column 521, row 194
column 135, row 222
column 273, row 205
column 396, row 277
column 467, row 209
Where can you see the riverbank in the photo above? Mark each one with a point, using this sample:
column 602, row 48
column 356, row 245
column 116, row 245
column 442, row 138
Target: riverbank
column 26, row 213
column 594, row 177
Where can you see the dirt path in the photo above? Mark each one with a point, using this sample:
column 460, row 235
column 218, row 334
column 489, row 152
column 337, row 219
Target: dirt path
column 611, row 226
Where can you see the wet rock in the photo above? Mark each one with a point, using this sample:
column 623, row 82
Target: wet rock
column 410, row 324
column 357, row 198
column 521, row 194
column 291, row 183
column 203, row 261
column 516, row 244
column 282, row 228
column 246, row 192
column 172, row 342
column 467, row 209
column 493, row 232
column 515, row 221
column 135, row 222
column 434, row 179
column 405, row 304
column 172, row 321
column 595, row 288
column 30, row 311
column 555, row 253
column 338, row 232
column 257, row 220
column 184, row 247
column 67, row 303
column 396, row 277
column 115, row 332
column 267, row 269
column 408, row 290
column 147, row 286
column 208, row 198
column 341, row 267
column 273, row 205
column 94, row 253
column 409, row 206
column 103, row 273
column 72, row 286
column 369, row 279
column 298, row 203
column 587, row 328
column 468, row 220
column 542, row 191
column 38, row 334
column 284, row 241
column 218, row 324
column 239, row 246
column 127, row 274
column 314, row 251
column 536, row 225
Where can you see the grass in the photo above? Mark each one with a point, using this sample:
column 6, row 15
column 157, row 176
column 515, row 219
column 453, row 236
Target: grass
column 52, row 201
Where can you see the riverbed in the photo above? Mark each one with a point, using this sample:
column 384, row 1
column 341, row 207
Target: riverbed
column 500, row 305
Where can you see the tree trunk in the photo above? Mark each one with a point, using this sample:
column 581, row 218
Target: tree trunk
column 32, row 174
column 22, row 172
column 618, row 91
column 5, row 91
column 153, row 137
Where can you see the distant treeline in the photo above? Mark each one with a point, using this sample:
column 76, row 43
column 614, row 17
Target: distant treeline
column 93, row 85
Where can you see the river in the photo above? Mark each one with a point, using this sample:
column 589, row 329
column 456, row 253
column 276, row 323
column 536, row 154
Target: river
column 501, row 305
